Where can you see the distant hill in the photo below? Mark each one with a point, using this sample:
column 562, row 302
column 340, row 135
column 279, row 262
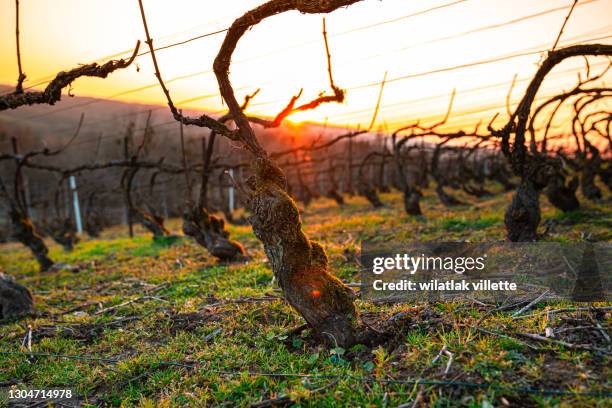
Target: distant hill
column 52, row 124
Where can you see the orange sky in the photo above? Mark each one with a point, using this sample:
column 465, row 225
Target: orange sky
column 286, row 53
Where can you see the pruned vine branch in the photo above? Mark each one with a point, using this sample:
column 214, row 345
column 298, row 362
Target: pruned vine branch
column 53, row 92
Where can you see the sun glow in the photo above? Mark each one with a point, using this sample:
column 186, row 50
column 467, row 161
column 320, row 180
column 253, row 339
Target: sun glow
column 286, row 53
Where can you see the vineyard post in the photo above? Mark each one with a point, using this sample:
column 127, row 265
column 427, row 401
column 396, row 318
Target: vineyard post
column 20, row 194
column 231, row 193
column 128, row 213
column 75, row 203
column 349, row 168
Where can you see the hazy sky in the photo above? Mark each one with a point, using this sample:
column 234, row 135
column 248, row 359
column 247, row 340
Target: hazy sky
column 286, row 52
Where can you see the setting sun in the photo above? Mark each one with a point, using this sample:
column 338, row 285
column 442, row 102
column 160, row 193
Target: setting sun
column 424, row 47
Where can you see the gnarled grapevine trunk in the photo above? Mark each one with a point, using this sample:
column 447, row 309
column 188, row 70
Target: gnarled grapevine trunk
column 371, row 195
column 587, row 183
column 209, row 231
column 364, row 188
column 476, row 190
column 153, row 223
column 15, row 299
column 333, row 192
column 445, row 198
column 335, row 195
column 412, row 198
column 300, row 265
column 383, row 187
column 64, row 233
column 94, row 221
column 523, row 215
column 535, row 169
column 563, row 195
column 605, row 174
column 24, row 232
column 412, row 195
column 304, row 192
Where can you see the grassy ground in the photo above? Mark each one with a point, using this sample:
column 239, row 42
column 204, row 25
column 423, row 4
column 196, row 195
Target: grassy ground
column 168, row 326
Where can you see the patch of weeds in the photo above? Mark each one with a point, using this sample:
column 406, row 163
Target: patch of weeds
column 461, row 224
column 153, row 247
column 571, row 217
column 188, row 321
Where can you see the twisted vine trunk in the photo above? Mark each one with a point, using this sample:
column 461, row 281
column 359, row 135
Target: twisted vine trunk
column 306, row 195
column 64, row 233
column 535, row 169
column 332, row 192
column 563, row 195
column 383, row 187
column 412, row 200
column 371, row 195
column 445, row 198
column 478, row 191
column 300, row 265
column 587, row 183
column 412, row 195
column 336, row 196
column 209, row 231
column 364, row 188
column 24, row 232
column 153, row 223
column 15, row 299
column 94, row 224
column 605, row 174
column 523, row 215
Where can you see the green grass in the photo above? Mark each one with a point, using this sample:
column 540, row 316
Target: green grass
column 184, row 311
column 461, row 224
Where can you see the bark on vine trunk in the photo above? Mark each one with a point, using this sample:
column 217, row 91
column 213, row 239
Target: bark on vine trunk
column 64, row 233
column 445, row 198
column 478, row 190
column 15, row 299
column 412, row 199
column 336, row 196
column 300, row 265
column 365, row 188
column 412, row 195
column 605, row 174
column 371, row 195
column 587, row 183
column 523, row 215
column 153, row 223
column 382, row 184
column 333, row 192
column 94, row 220
column 24, row 232
column 209, row 231
column 563, row 195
